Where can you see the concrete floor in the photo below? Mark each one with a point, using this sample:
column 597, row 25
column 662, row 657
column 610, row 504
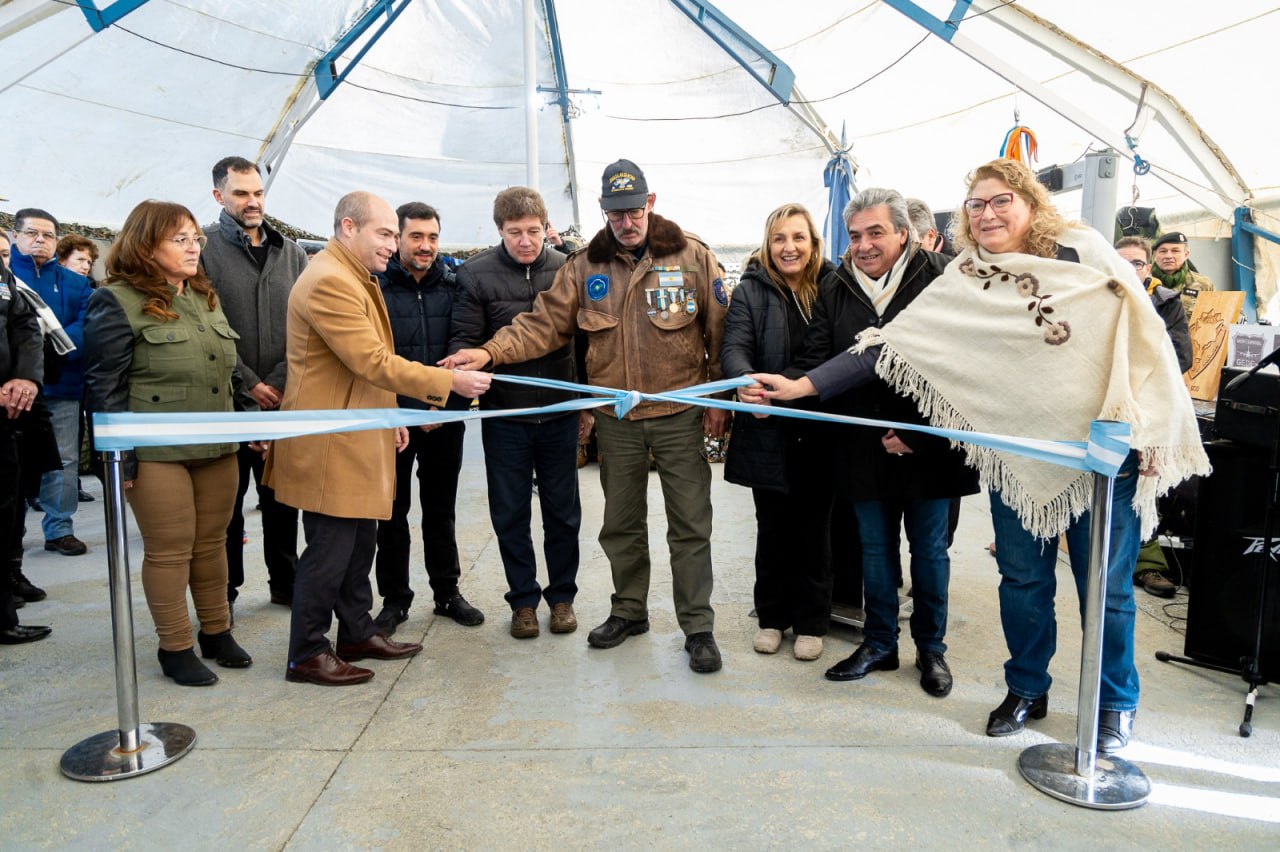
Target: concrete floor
column 487, row 742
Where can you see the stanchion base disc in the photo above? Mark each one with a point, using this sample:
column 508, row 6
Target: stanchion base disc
column 1116, row 784
column 99, row 758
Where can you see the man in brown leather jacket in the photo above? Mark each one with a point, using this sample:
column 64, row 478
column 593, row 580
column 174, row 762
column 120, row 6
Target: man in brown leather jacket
column 650, row 299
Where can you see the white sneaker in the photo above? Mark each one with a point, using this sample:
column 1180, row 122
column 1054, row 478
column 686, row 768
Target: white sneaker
column 808, row 647
column 767, row 640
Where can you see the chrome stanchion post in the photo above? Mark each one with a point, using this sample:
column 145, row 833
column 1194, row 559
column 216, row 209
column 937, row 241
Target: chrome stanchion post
column 134, row 748
column 1076, row 774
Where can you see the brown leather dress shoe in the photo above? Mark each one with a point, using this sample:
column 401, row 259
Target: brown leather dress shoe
column 326, row 670
column 378, row 647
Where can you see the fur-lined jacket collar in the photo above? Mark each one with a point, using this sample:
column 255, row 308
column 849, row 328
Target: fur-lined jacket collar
column 665, row 238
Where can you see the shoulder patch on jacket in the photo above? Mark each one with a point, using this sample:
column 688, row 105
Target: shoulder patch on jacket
column 597, row 287
column 722, row 294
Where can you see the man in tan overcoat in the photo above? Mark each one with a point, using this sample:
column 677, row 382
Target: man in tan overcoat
column 341, row 356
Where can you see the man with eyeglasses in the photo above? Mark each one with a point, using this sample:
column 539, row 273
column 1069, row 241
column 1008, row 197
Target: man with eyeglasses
column 1151, row 568
column 253, row 267
column 1137, row 251
column 651, row 302
column 67, row 294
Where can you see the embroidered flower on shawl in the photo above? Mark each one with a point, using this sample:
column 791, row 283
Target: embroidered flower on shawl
column 1056, row 333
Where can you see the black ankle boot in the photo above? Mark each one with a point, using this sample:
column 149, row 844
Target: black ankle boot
column 185, row 669
column 224, row 649
column 1011, row 716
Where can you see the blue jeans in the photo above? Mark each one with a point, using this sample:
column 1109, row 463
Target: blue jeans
column 59, row 489
column 1028, row 584
column 513, row 452
column 925, row 522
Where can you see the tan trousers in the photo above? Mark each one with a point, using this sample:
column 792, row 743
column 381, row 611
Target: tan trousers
column 182, row 509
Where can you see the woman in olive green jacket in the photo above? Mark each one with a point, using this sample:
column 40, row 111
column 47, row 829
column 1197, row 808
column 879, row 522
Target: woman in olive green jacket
column 156, row 340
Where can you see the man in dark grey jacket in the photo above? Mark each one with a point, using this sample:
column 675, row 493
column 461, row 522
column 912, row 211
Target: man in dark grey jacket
column 253, row 268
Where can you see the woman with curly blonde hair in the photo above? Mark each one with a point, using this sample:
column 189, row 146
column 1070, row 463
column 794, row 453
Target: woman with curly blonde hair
column 1035, row 330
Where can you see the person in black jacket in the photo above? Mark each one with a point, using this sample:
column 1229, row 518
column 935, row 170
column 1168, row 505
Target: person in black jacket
column 21, row 368
column 889, row 474
column 494, row 287
column 782, row 459
column 420, row 295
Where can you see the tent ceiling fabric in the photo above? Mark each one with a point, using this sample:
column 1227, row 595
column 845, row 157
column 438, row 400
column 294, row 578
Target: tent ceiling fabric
column 434, row 111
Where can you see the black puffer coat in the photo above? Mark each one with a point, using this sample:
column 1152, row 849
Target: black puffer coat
column 762, row 331
column 420, row 313
column 868, row 472
column 493, row 289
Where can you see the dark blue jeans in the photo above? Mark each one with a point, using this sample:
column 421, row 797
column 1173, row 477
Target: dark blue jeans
column 513, row 452
column 1028, row 583
column 925, row 522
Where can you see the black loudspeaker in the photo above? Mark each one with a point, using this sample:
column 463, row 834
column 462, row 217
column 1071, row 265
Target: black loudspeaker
column 1222, row 609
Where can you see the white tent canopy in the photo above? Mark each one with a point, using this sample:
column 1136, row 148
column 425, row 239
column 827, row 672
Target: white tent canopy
column 435, row 110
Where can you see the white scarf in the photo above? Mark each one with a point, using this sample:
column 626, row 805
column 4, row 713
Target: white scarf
column 881, row 290
column 49, row 325
column 1027, row 346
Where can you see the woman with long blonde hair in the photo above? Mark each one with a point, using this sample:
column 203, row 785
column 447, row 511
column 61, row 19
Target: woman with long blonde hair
column 781, row 461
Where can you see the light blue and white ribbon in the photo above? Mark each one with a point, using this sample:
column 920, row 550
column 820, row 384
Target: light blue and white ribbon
column 1103, row 453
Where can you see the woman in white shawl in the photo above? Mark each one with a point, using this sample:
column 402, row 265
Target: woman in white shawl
column 1037, row 328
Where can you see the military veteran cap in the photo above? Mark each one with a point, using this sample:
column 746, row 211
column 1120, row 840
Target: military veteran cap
column 1171, row 237
column 623, row 187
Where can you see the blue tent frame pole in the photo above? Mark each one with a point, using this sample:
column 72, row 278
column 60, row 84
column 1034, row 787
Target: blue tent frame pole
column 779, row 80
column 562, row 99
column 1243, row 230
column 100, row 19
column 328, row 77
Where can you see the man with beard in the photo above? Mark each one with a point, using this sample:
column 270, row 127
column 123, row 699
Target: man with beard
column 650, row 299
column 253, row 268
column 419, row 293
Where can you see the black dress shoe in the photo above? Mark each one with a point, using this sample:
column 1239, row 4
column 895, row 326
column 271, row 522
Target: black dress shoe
column 460, row 611
column 389, row 618
column 704, row 656
column 935, row 674
column 615, row 631
column 864, row 661
column 185, row 669
column 83, row 496
column 25, row 589
column 224, row 649
column 282, row 598
column 22, row 633
column 1114, row 729
column 1011, row 716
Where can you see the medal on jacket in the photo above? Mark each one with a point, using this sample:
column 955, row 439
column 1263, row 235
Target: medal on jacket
column 670, row 288
column 648, row 297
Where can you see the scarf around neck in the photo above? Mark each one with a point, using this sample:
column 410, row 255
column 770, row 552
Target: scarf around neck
column 1175, row 280
column 882, row 290
column 1035, row 347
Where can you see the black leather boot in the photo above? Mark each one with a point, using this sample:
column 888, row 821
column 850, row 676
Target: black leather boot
column 1011, row 716
column 185, row 669
column 223, row 648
